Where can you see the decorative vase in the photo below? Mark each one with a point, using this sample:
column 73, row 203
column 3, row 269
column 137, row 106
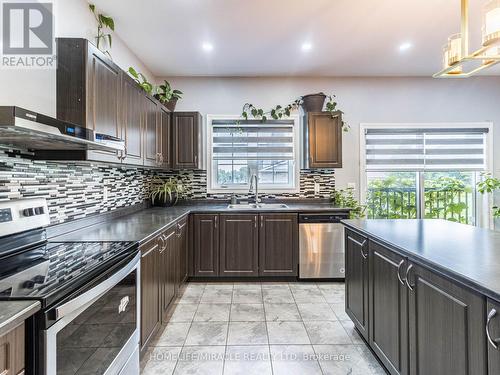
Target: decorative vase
column 161, row 202
column 313, row 102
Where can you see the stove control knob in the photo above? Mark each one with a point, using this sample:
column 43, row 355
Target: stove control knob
column 39, row 279
column 28, row 284
column 28, row 212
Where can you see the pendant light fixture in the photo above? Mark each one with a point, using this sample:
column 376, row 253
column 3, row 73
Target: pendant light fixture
column 457, row 61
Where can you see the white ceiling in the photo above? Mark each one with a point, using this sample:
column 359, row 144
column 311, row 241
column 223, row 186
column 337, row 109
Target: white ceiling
column 264, row 37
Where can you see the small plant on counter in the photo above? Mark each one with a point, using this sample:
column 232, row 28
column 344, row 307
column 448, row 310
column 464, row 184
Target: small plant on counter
column 103, row 22
column 141, row 80
column 489, row 185
column 345, row 198
column 278, row 112
column 166, row 193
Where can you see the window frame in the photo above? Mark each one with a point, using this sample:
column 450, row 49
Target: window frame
column 483, row 202
column 212, row 187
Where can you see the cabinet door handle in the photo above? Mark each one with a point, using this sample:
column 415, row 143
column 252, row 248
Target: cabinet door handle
column 215, row 222
column 493, row 342
column 162, row 248
column 406, row 278
column 399, row 272
column 196, row 159
column 262, row 221
column 255, row 221
column 361, row 244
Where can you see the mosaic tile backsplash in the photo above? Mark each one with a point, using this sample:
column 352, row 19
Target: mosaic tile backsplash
column 79, row 189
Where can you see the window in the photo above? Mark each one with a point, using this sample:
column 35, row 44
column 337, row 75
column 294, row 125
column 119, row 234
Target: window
column 236, row 151
column 423, row 172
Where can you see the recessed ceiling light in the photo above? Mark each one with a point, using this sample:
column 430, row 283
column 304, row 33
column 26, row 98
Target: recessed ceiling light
column 405, row 46
column 306, row 46
column 207, row 47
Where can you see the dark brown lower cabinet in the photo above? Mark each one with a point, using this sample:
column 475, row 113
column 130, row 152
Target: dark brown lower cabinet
column 388, row 328
column 150, row 295
column 446, row 326
column 356, row 278
column 182, row 243
column 168, row 270
column 278, row 245
column 239, row 245
column 493, row 314
column 205, row 245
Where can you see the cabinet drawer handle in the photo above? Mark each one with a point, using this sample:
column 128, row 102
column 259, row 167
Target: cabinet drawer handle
column 399, row 272
column 493, row 342
column 407, row 280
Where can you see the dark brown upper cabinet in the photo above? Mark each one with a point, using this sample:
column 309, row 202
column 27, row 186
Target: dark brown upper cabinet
column 131, row 129
column 186, row 140
column 92, row 91
column 152, row 132
column 322, row 140
column 165, row 119
column 278, row 245
column 239, row 245
column 205, row 245
column 89, row 91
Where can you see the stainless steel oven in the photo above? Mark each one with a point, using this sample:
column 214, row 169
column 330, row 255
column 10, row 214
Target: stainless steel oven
column 95, row 330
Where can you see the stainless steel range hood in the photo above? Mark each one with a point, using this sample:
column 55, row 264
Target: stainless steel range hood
column 23, row 129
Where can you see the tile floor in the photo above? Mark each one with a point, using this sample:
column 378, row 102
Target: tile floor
column 260, row 328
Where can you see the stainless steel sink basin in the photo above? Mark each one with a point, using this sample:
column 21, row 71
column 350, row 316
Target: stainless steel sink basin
column 254, row 206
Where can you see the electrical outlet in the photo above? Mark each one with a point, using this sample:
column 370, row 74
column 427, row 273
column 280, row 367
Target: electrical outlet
column 105, row 193
column 351, row 185
column 316, row 188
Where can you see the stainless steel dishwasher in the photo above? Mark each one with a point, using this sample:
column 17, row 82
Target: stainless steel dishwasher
column 321, row 246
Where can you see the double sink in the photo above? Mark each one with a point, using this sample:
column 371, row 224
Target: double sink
column 257, row 206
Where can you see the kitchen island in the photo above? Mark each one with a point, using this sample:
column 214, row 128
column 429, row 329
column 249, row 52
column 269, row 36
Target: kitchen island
column 425, row 294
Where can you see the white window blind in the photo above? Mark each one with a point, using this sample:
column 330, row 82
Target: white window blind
column 425, row 149
column 252, row 140
column 239, row 149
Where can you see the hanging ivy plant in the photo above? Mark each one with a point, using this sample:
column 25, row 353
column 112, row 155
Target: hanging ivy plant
column 278, row 112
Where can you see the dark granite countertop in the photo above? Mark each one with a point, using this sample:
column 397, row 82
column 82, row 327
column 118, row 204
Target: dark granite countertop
column 13, row 313
column 142, row 225
column 468, row 254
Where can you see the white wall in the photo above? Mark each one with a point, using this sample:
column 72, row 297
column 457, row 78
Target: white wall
column 36, row 89
column 362, row 100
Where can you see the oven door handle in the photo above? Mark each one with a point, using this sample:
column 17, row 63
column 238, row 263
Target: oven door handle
column 96, row 292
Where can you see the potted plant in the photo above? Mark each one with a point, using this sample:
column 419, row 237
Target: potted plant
column 103, row 22
column 490, row 185
column 166, row 193
column 313, row 102
column 279, row 111
column 168, row 96
column 345, row 199
column 141, row 80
